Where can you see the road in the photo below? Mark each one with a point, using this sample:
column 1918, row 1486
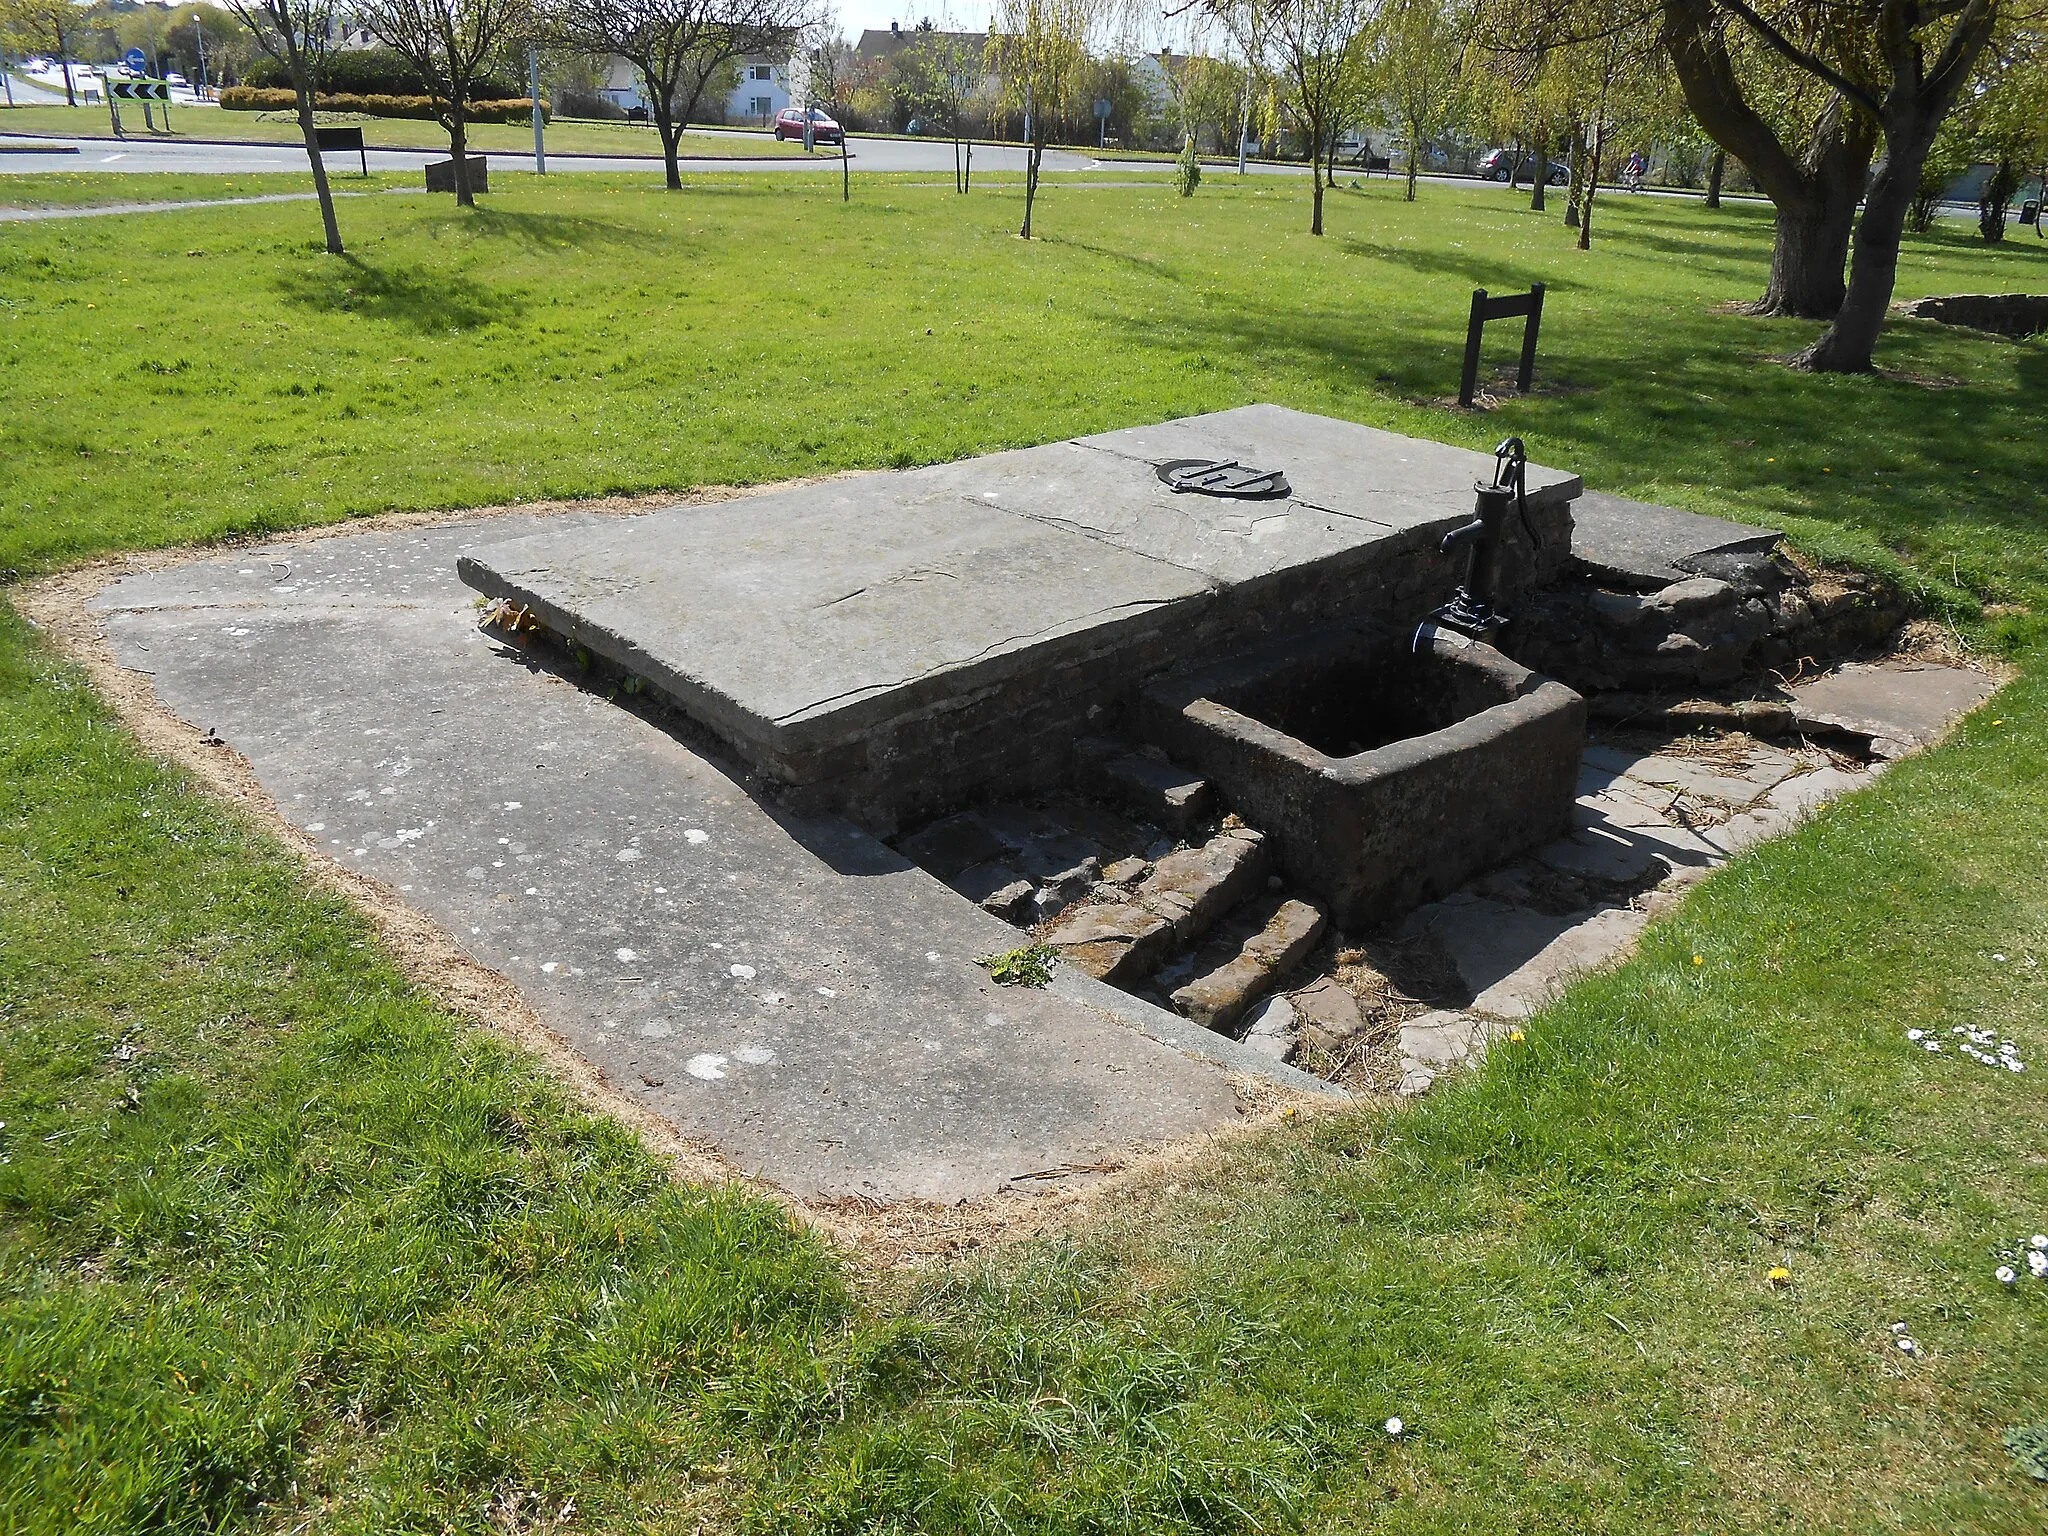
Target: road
column 192, row 158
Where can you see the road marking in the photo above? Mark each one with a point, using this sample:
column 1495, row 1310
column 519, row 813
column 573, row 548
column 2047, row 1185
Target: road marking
column 110, row 159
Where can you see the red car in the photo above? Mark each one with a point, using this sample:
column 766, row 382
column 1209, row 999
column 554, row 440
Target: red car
column 789, row 124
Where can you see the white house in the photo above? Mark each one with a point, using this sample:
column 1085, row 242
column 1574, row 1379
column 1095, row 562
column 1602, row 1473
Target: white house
column 764, row 89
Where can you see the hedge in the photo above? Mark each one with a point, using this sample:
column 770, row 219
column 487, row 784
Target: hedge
column 372, row 72
column 247, row 98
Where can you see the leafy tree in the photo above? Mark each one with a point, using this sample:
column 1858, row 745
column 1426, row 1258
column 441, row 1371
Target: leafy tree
column 451, row 43
column 36, row 26
column 295, row 34
column 1322, row 50
column 943, row 75
column 2003, row 122
column 1038, row 49
column 1896, row 68
column 1418, row 66
column 681, row 48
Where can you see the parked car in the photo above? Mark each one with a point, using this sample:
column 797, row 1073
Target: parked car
column 1502, row 165
column 789, row 124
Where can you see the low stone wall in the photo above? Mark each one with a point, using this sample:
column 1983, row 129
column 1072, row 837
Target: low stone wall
column 2003, row 314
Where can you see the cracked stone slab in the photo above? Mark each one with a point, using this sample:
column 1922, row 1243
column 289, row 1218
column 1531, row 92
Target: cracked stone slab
column 1651, row 546
column 1898, row 708
column 787, row 991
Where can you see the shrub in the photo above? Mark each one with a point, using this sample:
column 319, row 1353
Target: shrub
column 588, row 104
column 248, row 98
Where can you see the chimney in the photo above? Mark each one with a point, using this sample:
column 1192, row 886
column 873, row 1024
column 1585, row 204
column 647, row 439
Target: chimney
column 895, row 30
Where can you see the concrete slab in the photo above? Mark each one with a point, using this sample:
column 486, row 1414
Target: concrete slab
column 1648, row 546
column 892, row 638
column 788, row 991
column 1514, row 960
column 1898, row 707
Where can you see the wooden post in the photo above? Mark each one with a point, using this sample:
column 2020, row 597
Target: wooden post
column 1469, row 381
column 1526, row 376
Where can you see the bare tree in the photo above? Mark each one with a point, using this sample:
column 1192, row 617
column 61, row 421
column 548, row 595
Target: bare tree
column 450, row 43
column 295, row 33
column 680, row 47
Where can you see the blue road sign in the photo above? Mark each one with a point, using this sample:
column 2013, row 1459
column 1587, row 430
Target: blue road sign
column 136, row 60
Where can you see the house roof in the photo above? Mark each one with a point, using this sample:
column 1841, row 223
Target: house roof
column 877, row 43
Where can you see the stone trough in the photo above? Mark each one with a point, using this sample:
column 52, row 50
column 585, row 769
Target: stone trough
column 1388, row 767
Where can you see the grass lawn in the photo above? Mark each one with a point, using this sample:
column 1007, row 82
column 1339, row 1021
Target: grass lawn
column 282, row 1241
column 571, row 138
column 89, row 188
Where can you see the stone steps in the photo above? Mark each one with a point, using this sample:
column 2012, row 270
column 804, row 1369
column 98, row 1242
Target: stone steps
column 1125, row 938
column 1286, row 934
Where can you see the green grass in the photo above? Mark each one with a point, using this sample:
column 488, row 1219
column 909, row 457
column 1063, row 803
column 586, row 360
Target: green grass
column 88, row 188
column 568, row 138
column 280, row 1241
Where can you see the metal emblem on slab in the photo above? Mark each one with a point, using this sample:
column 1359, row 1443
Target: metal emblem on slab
column 1225, row 477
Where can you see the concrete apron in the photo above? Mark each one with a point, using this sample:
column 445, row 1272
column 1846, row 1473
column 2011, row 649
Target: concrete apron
column 791, row 992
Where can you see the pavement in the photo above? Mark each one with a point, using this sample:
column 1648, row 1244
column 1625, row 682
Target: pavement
column 787, row 992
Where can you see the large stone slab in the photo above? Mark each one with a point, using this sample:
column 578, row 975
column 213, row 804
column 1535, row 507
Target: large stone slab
column 896, row 641
column 1648, row 546
column 787, row 991
column 1898, row 707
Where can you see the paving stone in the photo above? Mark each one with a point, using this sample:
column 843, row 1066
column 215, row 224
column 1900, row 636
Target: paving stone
column 1809, row 790
column 1329, row 1014
column 1274, row 1032
column 1599, row 857
column 1514, row 960
column 1218, row 999
column 1125, row 870
column 1731, row 785
column 1050, row 860
column 782, row 990
column 953, row 844
column 1167, row 796
column 995, row 888
column 1191, row 889
column 1784, row 808
column 1898, row 708
column 1114, row 942
column 1444, row 1038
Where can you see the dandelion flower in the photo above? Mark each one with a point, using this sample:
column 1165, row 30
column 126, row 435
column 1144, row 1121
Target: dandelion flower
column 1699, row 959
column 1396, row 1428
column 1779, row 1275
column 1517, row 1036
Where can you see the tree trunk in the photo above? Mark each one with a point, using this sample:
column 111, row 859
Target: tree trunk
column 967, row 180
column 846, row 166
column 1414, row 139
column 1315, row 173
column 1575, row 192
column 671, row 147
column 458, row 148
column 312, row 137
column 1997, row 199
column 64, row 58
column 1847, row 345
column 1541, row 178
column 1030, row 184
column 1716, row 169
column 1592, row 188
column 1807, row 255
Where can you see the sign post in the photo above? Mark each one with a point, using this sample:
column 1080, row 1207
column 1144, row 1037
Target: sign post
column 540, row 148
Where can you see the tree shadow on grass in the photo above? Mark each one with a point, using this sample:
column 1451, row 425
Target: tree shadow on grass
column 419, row 298
column 567, row 231
column 1496, row 276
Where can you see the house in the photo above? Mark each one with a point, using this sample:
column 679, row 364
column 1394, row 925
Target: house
column 765, row 87
column 881, row 46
